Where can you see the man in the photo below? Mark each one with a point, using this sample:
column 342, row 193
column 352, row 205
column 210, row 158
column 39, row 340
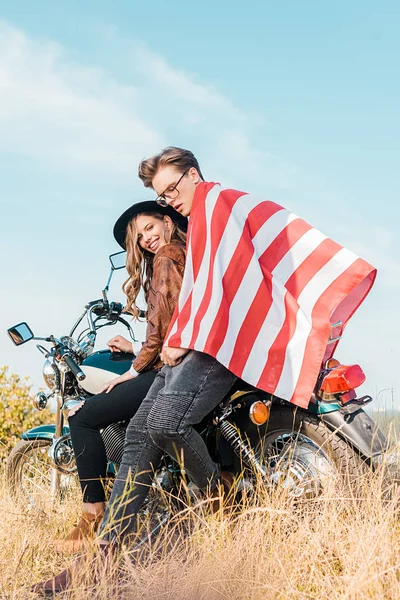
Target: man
column 260, row 292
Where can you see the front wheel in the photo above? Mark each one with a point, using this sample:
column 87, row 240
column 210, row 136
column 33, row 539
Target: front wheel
column 32, row 479
column 300, row 454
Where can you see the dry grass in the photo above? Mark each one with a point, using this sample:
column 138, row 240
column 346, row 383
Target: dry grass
column 345, row 546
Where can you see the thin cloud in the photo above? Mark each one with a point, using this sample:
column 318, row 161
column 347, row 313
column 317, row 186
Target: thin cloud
column 57, row 110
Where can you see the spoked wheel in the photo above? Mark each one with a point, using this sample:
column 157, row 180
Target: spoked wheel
column 301, row 455
column 33, row 481
column 297, row 463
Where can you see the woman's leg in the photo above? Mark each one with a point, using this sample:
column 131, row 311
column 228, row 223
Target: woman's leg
column 120, row 404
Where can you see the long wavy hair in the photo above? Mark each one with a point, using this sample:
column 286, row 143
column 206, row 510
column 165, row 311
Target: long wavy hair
column 139, row 262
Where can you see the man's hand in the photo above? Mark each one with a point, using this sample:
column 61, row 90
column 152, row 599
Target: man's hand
column 120, row 344
column 117, row 380
column 173, row 356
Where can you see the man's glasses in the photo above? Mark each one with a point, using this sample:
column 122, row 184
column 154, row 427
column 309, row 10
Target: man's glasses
column 171, row 192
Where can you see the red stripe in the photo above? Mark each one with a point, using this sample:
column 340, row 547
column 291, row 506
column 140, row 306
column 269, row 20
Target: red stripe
column 345, row 310
column 182, row 317
column 235, row 272
column 319, row 335
column 198, row 226
column 219, row 220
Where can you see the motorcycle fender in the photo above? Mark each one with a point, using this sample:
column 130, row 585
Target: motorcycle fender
column 359, row 429
column 42, row 432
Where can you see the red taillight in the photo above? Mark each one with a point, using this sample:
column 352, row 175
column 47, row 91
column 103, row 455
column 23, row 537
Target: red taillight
column 343, row 379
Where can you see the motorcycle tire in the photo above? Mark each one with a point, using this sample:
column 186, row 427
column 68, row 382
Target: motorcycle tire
column 32, row 480
column 302, row 454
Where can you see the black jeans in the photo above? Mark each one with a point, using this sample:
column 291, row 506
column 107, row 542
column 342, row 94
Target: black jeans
column 180, row 397
column 120, row 404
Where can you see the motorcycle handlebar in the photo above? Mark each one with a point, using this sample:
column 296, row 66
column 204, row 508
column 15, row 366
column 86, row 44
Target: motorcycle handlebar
column 75, row 368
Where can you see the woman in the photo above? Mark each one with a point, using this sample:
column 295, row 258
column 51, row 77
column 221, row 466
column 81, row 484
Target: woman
column 154, row 238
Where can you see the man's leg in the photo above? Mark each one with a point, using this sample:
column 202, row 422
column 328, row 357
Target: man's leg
column 192, row 390
column 140, row 458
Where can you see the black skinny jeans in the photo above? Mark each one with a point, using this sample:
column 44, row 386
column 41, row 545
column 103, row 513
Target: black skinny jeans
column 120, row 404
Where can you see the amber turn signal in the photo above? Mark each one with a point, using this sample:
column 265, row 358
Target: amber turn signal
column 259, row 412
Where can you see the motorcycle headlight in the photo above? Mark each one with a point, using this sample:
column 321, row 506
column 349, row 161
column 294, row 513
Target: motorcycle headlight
column 50, row 374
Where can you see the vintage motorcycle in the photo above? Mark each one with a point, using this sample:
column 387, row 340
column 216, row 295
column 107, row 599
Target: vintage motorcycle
column 249, row 432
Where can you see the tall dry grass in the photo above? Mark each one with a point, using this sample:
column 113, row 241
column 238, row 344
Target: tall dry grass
column 342, row 545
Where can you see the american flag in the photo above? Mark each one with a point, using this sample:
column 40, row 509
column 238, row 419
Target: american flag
column 261, row 290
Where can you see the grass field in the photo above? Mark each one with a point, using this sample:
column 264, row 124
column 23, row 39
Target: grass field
column 342, row 545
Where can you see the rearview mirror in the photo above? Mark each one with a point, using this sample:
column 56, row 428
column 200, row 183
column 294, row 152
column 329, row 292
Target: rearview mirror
column 20, row 333
column 118, row 260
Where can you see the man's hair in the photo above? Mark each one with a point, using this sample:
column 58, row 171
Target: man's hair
column 179, row 158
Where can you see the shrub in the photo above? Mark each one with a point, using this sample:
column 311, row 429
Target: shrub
column 16, row 411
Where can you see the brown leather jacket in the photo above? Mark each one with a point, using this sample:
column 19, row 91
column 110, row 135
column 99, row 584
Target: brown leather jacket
column 165, row 285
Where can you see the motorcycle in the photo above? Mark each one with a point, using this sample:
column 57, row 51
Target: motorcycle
column 250, row 432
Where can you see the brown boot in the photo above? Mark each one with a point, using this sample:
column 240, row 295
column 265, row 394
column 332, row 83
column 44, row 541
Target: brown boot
column 85, row 530
column 96, row 565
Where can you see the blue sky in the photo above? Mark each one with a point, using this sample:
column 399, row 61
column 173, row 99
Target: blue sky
column 297, row 101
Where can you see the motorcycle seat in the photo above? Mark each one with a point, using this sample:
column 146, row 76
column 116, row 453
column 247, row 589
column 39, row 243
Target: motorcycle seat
column 238, row 388
column 241, row 386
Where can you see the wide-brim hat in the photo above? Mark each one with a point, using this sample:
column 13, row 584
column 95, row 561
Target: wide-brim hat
column 121, row 225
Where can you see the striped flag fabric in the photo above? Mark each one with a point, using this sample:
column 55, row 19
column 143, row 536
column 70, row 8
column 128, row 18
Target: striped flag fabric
column 261, row 290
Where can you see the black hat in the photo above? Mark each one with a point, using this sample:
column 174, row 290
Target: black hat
column 140, row 207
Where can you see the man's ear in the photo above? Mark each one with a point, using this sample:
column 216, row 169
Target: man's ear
column 194, row 175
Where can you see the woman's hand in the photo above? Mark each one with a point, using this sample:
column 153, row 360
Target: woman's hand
column 116, row 381
column 120, row 344
column 173, row 356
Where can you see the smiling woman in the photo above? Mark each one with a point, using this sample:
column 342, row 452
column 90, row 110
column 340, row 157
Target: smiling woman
column 154, row 239
column 147, row 233
column 152, row 231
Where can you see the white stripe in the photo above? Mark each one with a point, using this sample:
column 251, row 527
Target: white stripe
column 295, row 350
column 276, row 316
column 200, row 284
column 297, row 254
column 251, row 281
